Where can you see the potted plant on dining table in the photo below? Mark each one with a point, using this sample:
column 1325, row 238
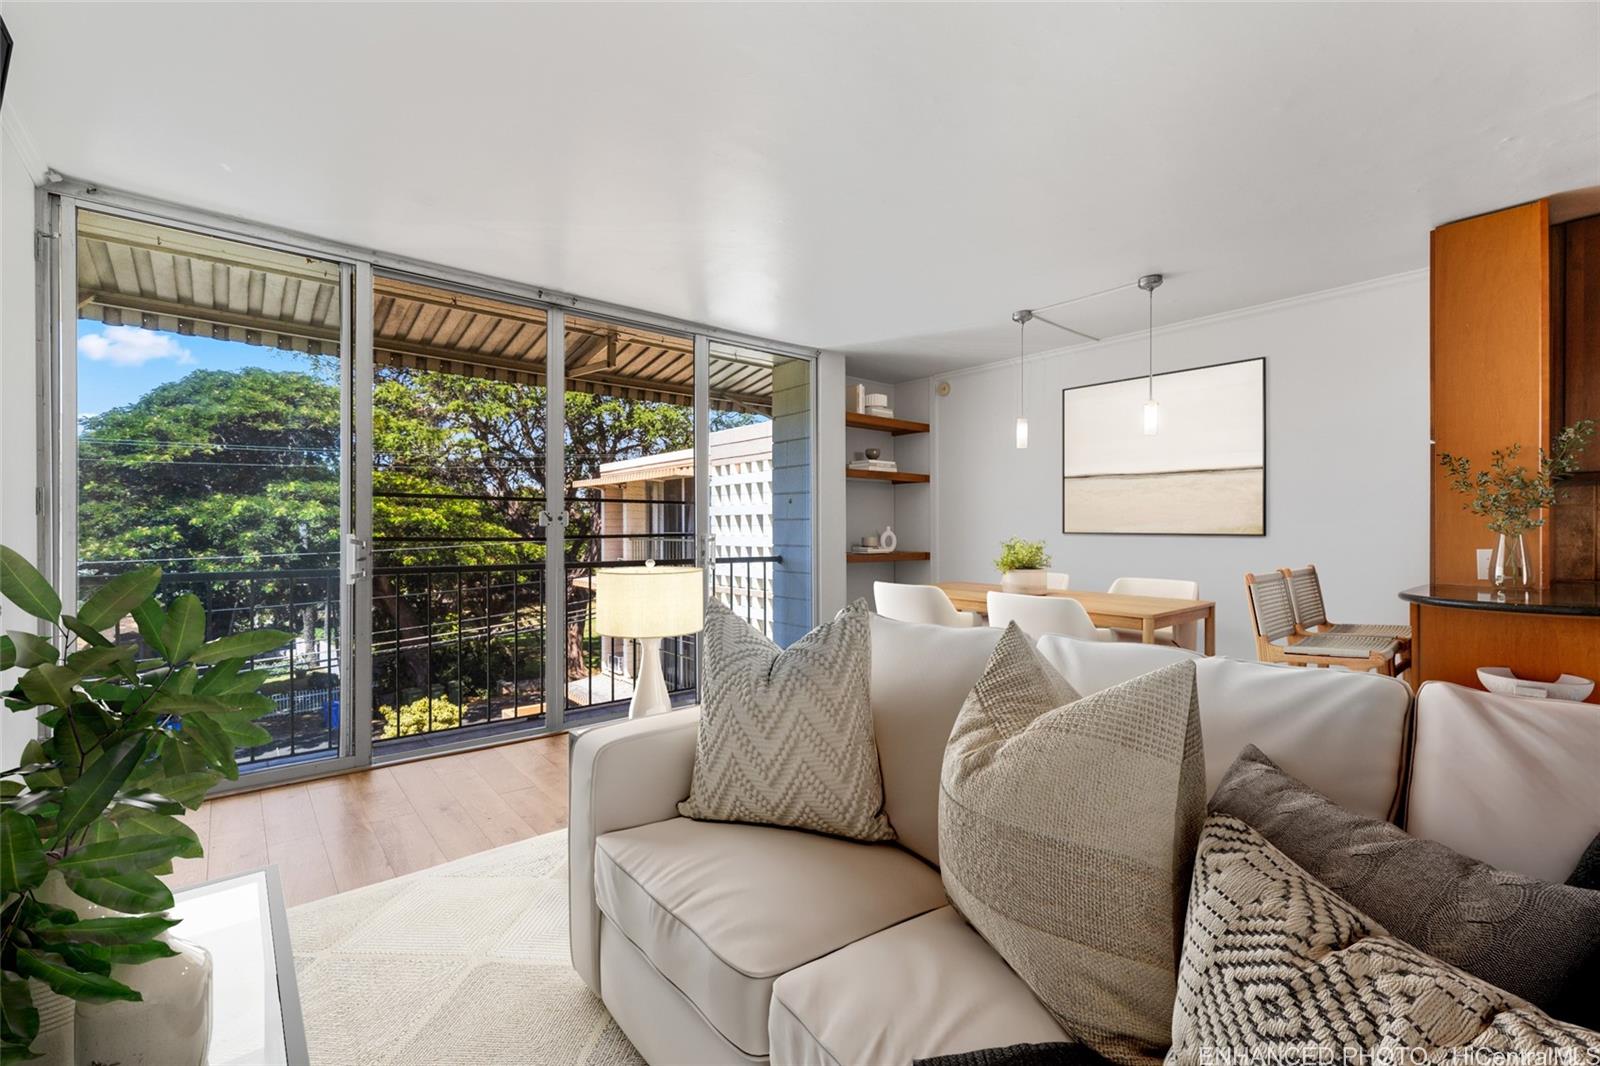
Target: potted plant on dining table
column 1023, row 566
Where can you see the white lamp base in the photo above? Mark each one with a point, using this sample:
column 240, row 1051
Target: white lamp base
column 650, row 689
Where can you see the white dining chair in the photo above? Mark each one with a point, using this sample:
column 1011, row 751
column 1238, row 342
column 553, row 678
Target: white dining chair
column 1185, row 635
column 926, row 604
column 1041, row 615
column 1056, row 581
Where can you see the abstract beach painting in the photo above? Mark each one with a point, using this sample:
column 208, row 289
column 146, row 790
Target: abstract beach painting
column 1204, row 471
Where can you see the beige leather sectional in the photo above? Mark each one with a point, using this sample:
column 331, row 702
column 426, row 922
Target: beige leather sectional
column 717, row 943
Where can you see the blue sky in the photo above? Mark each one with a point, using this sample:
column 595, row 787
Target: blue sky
column 118, row 364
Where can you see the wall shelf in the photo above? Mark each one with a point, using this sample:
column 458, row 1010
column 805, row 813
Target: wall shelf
column 898, row 477
column 899, row 427
column 887, row 557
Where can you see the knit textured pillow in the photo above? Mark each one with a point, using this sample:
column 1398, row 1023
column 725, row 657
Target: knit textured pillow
column 1530, row 937
column 786, row 735
column 1274, row 962
column 1066, row 829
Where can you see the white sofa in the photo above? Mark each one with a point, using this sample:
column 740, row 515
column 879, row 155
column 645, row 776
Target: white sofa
column 717, row 943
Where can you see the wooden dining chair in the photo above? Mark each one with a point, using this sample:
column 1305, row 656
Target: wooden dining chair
column 1305, row 595
column 1273, row 619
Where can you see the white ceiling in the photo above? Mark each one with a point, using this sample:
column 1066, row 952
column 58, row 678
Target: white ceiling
column 888, row 180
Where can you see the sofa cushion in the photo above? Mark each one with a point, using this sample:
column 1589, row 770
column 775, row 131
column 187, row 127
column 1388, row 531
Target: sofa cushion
column 1343, row 733
column 786, row 734
column 1532, row 938
column 1067, row 830
column 723, row 909
column 1275, row 961
column 920, row 675
column 930, row 986
column 1488, row 769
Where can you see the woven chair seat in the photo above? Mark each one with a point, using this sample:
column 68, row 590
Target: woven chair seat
column 1344, row 646
column 1357, row 629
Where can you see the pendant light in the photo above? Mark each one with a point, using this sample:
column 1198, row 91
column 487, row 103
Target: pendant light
column 1021, row 318
column 1152, row 410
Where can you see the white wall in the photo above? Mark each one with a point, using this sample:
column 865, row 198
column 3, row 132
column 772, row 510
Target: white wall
column 18, row 381
column 831, row 525
column 1347, row 455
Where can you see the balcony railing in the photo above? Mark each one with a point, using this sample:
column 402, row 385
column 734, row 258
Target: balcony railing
column 454, row 648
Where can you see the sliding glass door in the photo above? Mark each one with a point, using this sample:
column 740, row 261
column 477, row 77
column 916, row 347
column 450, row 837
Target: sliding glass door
column 208, row 390
column 419, row 479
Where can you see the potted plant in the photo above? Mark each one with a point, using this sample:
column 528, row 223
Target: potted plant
column 1023, row 565
column 89, row 821
column 1511, row 498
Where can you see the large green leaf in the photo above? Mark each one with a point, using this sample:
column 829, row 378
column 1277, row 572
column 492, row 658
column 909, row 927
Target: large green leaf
column 186, row 627
column 243, row 645
column 107, row 930
column 50, row 684
column 22, row 862
column 130, row 893
column 20, row 1017
column 95, row 661
column 85, row 798
column 121, row 855
column 151, row 620
column 213, row 743
column 32, row 649
column 18, row 1052
column 113, row 600
column 88, row 634
column 75, row 984
column 161, row 824
column 135, row 952
column 180, row 704
column 26, row 587
column 8, row 652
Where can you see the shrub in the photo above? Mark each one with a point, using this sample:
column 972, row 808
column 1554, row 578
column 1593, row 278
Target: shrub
column 414, row 717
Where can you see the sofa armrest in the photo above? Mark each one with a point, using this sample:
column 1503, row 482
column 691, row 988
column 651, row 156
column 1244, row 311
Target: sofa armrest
column 619, row 776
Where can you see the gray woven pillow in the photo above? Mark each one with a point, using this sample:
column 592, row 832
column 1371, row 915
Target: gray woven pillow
column 1066, row 829
column 1529, row 937
column 1277, row 968
column 786, row 735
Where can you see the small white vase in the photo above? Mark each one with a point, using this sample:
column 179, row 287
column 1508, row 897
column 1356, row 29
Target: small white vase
column 1029, row 581
column 170, row 1026
column 887, row 538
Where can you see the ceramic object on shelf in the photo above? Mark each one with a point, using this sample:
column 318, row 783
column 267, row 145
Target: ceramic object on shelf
column 861, row 399
column 873, row 453
column 1029, row 581
column 1566, row 687
column 169, row 1026
column 888, row 539
column 877, row 399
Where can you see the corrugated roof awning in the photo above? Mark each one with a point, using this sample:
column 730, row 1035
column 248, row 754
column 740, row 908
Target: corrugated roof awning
column 139, row 274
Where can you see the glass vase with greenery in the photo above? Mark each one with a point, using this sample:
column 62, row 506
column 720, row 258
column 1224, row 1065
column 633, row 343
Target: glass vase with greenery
column 1512, row 498
column 129, row 745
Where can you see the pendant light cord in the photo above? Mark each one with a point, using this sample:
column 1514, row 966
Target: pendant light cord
column 1150, row 348
column 1022, row 367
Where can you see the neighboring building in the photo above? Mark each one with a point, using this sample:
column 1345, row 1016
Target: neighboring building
column 762, row 571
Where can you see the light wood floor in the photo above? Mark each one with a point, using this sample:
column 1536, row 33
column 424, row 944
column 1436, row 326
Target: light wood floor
column 344, row 832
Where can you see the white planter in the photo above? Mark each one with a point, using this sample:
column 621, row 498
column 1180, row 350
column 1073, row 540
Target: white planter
column 170, row 1026
column 1030, row 581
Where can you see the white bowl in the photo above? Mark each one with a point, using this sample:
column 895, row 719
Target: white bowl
column 1566, row 687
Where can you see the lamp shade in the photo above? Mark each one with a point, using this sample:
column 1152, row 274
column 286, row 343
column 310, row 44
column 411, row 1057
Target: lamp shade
column 649, row 601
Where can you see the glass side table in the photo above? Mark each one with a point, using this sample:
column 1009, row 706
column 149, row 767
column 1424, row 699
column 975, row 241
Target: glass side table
column 255, row 1003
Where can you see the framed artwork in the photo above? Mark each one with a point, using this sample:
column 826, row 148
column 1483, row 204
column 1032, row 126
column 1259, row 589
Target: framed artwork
column 1204, row 471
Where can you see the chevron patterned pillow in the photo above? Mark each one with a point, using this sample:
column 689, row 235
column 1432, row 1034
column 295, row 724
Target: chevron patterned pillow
column 786, row 735
column 1275, row 962
column 1066, row 829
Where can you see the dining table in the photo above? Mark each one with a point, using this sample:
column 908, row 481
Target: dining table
column 1110, row 610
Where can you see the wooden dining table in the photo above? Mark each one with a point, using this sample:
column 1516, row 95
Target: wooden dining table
column 1111, row 610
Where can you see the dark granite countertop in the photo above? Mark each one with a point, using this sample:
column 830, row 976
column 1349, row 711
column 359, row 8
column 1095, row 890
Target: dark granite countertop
column 1570, row 597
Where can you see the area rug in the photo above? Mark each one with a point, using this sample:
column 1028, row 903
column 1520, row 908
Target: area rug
column 466, row 962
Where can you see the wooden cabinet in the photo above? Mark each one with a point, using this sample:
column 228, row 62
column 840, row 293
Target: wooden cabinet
column 1490, row 366
column 1575, row 251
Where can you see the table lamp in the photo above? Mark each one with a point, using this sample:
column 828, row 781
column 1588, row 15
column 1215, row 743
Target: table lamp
column 647, row 603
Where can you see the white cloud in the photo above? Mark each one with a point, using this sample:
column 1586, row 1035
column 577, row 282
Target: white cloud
column 131, row 346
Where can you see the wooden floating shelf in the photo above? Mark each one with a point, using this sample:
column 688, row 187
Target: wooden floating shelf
column 899, row 477
column 887, row 557
column 897, row 426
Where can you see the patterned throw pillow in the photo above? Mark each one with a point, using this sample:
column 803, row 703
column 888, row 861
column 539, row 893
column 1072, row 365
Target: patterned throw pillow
column 1275, row 964
column 1530, row 937
column 1066, row 829
column 786, row 735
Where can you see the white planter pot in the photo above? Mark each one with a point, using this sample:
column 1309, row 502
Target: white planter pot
column 170, row 1026
column 1030, row 581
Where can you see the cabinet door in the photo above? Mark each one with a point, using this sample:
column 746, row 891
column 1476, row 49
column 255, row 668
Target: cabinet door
column 1490, row 366
column 1581, row 342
